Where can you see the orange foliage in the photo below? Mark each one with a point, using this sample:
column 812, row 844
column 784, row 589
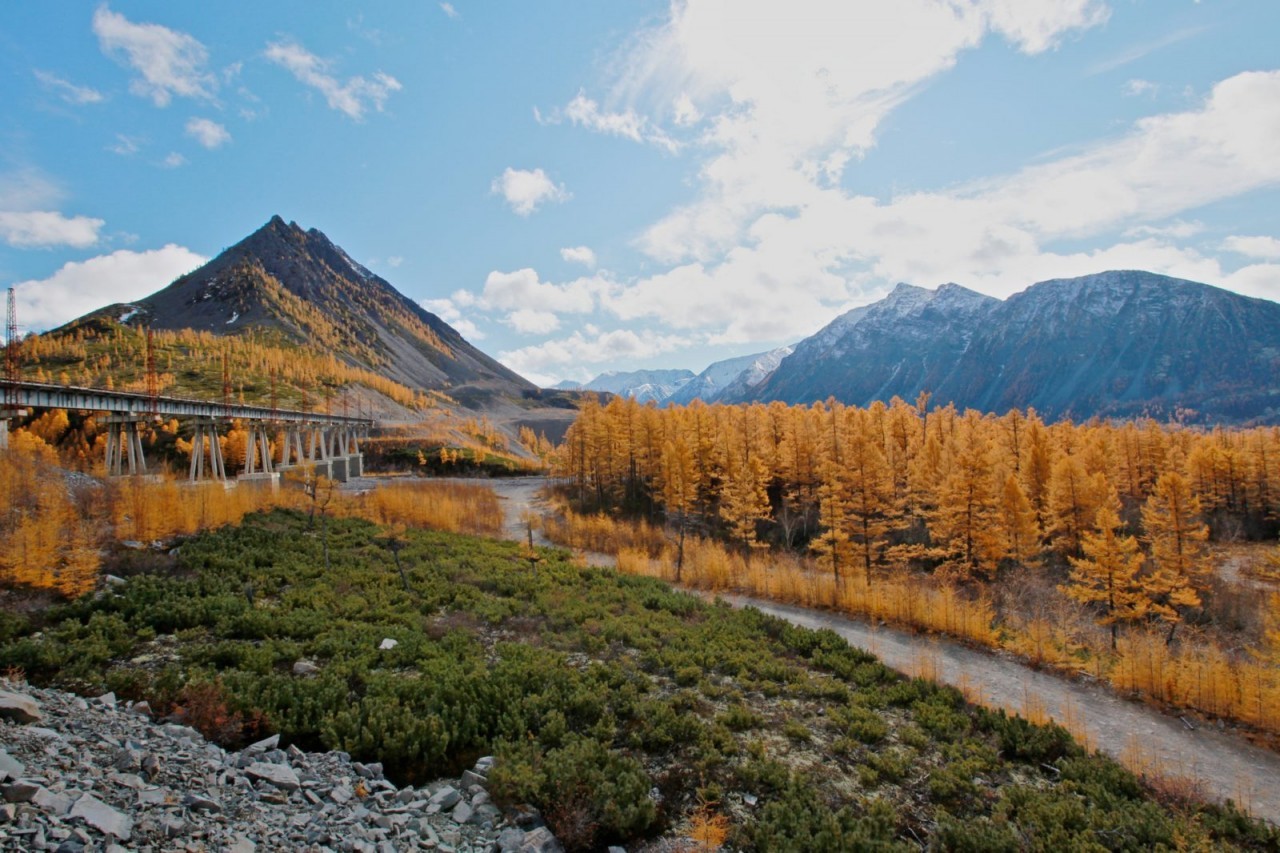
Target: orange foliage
column 456, row 507
column 937, row 511
column 56, row 525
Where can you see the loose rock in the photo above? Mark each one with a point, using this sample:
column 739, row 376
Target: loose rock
column 19, row 708
column 108, row 779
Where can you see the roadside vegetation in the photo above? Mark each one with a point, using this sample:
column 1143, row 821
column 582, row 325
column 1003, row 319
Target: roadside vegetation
column 63, row 529
column 621, row 708
column 1096, row 548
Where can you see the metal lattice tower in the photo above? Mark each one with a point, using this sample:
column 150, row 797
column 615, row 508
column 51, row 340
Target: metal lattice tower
column 226, row 385
column 11, row 344
column 153, row 380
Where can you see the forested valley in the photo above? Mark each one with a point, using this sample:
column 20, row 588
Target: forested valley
column 1118, row 549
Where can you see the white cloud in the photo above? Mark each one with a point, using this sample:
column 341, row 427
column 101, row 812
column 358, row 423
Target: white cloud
column 207, row 132
column 26, row 220
column 588, row 346
column 511, row 291
column 793, row 97
column 1260, row 280
column 448, row 9
column 530, row 321
column 526, row 190
column 169, row 62
column 351, row 98
column 1039, row 25
column 173, row 160
column 1267, row 248
column 395, row 261
column 69, row 92
column 579, row 255
column 776, row 240
column 684, row 112
column 448, row 311
column 26, row 229
column 83, row 286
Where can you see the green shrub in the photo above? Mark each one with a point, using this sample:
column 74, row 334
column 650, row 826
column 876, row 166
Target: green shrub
column 861, row 724
column 739, row 718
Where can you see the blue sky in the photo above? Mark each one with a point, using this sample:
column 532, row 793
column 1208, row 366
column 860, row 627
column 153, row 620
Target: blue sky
column 589, row 186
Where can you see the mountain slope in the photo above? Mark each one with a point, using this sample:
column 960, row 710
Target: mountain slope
column 908, row 342
column 1120, row 343
column 731, row 378
column 1126, row 343
column 303, row 287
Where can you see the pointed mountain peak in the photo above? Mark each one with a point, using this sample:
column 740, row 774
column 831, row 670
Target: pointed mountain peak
column 303, row 287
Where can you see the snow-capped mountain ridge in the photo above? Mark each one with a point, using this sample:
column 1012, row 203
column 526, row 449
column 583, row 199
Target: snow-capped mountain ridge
column 1119, row 343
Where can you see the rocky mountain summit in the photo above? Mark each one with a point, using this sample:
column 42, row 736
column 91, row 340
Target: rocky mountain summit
column 300, row 286
column 99, row 775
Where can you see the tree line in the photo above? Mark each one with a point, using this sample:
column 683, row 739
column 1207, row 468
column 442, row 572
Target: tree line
column 1123, row 511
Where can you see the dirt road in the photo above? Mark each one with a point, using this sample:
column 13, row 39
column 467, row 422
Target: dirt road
column 1224, row 766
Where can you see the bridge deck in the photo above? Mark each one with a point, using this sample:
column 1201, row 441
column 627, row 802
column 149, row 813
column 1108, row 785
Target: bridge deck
column 42, row 396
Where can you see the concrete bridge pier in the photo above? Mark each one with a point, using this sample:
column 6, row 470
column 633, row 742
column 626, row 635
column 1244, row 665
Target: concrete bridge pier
column 257, row 455
column 8, row 413
column 355, row 459
column 206, row 436
column 292, row 450
column 319, row 452
column 124, row 441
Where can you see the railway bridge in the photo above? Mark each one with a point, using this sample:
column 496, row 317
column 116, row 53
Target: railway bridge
column 327, row 443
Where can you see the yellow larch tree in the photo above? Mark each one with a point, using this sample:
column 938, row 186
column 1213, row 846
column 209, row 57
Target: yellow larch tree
column 1108, row 573
column 965, row 525
column 1074, row 498
column 1176, row 538
column 833, row 545
column 869, row 490
column 1018, row 521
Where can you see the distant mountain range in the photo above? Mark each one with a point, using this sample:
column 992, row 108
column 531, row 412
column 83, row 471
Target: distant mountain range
column 642, row 385
column 734, row 376
column 1117, row 344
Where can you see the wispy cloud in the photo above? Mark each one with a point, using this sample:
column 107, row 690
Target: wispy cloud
column 169, row 62
column 126, row 146
column 629, row 124
column 449, row 10
column 1138, row 51
column 69, row 92
column 351, row 98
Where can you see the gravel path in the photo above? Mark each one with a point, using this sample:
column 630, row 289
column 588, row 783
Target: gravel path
column 1223, row 765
